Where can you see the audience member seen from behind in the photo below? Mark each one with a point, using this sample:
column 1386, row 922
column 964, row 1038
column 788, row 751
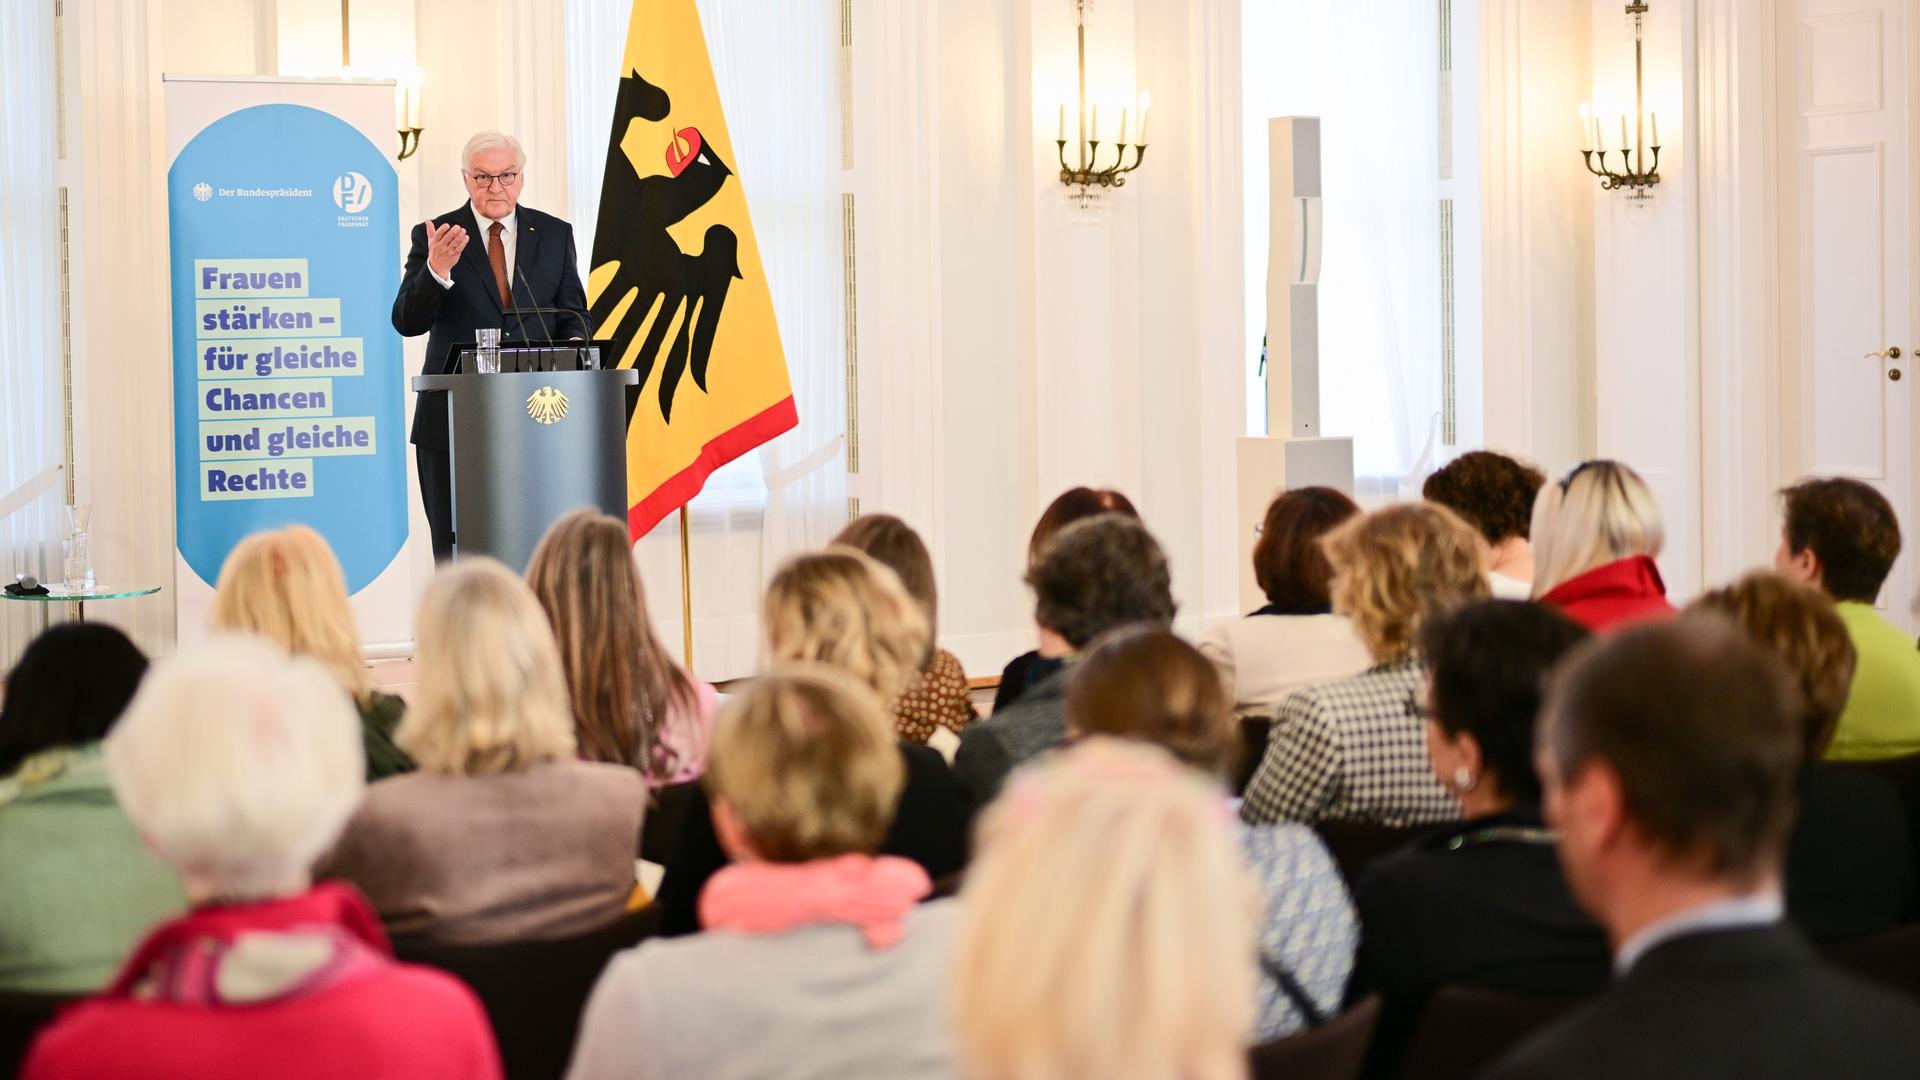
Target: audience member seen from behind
column 1595, row 535
column 1669, row 754
column 1354, row 749
column 77, row 887
column 1850, row 866
column 1144, row 683
column 1481, row 902
column 818, row 959
column 504, row 834
column 841, row 609
column 632, row 704
column 1093, row 576
column 1074, row 504
column 1295, row 639
column 238, row 764
column 937, row 696
column 286, row 586
column 1107, row 927
column 1494, row 494
column 1841, row 536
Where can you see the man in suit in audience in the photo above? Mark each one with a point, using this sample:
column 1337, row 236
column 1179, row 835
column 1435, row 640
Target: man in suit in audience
column 481, row 266
column 1669, row 755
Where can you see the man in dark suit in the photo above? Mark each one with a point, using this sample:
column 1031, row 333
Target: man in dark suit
column 481, row 266
column 1669, row 755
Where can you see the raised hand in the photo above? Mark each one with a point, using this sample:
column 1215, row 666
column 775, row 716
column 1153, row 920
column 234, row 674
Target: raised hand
column 444, row 245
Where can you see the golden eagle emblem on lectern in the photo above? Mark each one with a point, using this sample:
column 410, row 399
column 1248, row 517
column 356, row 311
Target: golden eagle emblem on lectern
column 547, row 405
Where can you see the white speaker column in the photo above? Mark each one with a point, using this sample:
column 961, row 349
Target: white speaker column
column 1294, row 453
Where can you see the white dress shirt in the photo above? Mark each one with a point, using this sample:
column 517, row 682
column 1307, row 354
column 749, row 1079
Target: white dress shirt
column 508, row 233
column 1759, row 909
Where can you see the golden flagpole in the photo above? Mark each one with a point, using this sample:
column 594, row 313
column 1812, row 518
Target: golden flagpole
column 686, row 594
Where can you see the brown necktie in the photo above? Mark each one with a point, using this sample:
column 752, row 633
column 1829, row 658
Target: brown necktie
column 497, row 257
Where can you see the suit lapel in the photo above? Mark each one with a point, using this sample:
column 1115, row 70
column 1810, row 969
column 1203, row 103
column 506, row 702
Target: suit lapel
column 526, row 239
column 474, row 257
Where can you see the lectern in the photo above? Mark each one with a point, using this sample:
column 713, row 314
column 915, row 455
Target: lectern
column 528, row 448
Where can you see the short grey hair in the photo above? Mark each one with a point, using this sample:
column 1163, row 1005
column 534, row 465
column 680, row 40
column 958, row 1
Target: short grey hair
column 492, row 140
column 239, row 763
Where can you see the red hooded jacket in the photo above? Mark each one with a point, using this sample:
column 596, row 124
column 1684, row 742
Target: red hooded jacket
column 1616, row 594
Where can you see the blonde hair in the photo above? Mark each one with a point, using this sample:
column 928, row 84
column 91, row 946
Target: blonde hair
column 286, row 586
column 1799, row 626
column 1396, row 568
column 843, row 609
column 1599, row 513
column 491, row 698
column 1108, row 925
column 239, row 764
column 806, row 759
column 623, row 686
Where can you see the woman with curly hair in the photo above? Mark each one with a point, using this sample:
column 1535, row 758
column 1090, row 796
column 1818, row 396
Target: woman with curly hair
column 1494, row 493
column 1355, row 749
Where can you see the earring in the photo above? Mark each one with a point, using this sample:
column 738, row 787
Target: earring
column 1462, row 780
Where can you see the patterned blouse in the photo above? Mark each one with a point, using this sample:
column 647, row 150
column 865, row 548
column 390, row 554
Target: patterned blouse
column 1353, row 749
column 1310, row 928
column 937, row 697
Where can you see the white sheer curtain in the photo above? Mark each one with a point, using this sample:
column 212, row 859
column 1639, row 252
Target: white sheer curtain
column 1369, row 69
column 31, row 426
column 777, row 66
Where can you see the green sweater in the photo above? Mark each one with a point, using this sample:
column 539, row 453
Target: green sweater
column 1882, row 717
column 78, row 890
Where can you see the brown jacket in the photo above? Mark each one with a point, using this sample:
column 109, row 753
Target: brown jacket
column 545, row 852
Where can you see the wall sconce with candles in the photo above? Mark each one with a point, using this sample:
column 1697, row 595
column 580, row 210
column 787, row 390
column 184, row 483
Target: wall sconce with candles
column 406, row 91
column 407, row 114
column 1635, row 173
column 1085, row 180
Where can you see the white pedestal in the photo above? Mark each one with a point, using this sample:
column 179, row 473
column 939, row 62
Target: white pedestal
column 1264, row 468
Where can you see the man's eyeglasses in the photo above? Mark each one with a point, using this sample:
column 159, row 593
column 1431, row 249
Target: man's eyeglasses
column 488, row 180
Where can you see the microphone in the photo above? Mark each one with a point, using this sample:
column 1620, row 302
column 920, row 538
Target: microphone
column 513, row 309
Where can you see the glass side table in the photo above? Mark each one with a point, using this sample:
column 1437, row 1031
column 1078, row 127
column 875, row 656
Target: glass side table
column 58, row 593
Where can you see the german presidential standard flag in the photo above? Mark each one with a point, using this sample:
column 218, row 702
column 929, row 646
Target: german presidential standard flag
column 677, row 291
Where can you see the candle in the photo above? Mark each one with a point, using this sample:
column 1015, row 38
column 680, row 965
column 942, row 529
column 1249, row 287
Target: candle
column 1096, row 123
column 1625, row 143
column 1655, row 117
column 1063, row 123
column 1123, row 125
column 1599, row 138
column 1146, row 101
column 413, row 107
column 1586, row 128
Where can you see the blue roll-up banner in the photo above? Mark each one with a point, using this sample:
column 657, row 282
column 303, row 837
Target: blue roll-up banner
column 287, row 374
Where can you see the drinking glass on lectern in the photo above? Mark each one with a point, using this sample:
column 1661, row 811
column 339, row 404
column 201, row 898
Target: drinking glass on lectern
column 486, row 357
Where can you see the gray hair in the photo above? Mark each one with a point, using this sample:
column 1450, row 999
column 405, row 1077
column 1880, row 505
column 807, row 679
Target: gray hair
column 492, row 140
column 239, row 764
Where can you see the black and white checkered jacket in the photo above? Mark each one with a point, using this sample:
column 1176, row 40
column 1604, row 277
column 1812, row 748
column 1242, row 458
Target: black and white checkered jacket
column 1353, row 749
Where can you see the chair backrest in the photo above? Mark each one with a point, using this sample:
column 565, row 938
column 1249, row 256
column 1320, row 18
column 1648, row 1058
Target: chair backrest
column 1464, row 1029
column 663, row 820
column 1904, row 774
column 1255, row 730
column 1892, row 959
column 21, row 1018
column 535, row 991
column 1335, row 1050
column 1356, row 844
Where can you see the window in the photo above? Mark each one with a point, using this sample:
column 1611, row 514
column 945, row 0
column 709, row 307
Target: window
column 1368, row 69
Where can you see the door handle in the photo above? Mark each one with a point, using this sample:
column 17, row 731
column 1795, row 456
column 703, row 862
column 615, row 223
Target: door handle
column 1889, row 353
